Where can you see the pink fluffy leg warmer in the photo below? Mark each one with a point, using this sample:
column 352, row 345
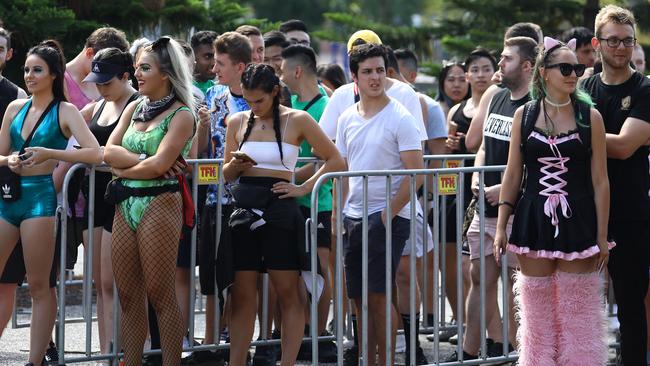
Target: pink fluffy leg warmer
column 581, row 320
column 537, row 335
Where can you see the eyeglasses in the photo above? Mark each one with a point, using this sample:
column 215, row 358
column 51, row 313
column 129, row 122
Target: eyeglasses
column 567, row 68
column 614, row 42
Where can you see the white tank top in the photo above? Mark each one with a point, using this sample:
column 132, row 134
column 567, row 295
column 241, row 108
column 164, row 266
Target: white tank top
column 267, row 153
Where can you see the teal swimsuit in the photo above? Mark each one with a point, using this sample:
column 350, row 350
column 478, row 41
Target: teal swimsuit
column 38, row 197
column 133, row 208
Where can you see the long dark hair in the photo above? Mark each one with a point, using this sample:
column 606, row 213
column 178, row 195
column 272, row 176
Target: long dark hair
column 51, row 52
column 442, row 96
column 262, row 77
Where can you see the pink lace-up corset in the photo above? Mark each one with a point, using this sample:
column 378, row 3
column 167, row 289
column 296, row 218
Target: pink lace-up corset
column 553, row 177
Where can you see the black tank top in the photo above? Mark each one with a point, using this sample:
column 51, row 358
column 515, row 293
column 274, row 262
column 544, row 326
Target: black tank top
column 496, row 135
column 102, row 133
column 8, row 93
column 462, row 123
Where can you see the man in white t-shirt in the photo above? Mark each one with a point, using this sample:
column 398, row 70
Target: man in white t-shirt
column 378, row 133
column 348, row 94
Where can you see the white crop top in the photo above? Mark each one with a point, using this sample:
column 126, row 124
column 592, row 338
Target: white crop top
column 267, row 153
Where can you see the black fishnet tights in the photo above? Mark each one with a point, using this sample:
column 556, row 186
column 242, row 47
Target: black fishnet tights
column 144, row 262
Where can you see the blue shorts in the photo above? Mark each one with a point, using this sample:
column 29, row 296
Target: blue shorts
column 37, row 199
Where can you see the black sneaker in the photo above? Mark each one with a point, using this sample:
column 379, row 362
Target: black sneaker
column 495, row 349
column 420, row 358
column 351, row 356
column 278, row 347
column 326, row 350
column 304, row 353
column 264, row 355
column 51, row 354
column 204, row 358
column 454, row 357
column 152, row 360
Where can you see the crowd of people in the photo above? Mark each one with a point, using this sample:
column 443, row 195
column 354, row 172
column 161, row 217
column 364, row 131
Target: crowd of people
column 568, row 117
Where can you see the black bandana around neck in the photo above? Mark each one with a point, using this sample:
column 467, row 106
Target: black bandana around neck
column 151, row 110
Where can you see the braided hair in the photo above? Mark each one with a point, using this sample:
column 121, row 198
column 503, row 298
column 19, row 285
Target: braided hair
column 262, row 77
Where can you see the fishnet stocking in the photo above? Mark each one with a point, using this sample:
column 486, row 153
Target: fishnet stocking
column 149, row 253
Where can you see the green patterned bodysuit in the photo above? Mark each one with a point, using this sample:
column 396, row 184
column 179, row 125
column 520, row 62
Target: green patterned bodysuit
column 133, row 208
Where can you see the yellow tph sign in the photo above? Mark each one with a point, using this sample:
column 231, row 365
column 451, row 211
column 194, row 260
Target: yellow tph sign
column 447, row 182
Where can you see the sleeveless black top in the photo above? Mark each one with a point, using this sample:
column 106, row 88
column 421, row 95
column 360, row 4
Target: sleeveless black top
column 8, row 93
column 496, row 137
column 102, row 133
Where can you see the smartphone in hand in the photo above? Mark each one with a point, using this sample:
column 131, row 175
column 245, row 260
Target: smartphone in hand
column 25, row 156
column 243, row 156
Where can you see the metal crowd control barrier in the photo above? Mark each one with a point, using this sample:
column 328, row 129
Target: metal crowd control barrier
column 209, row 171
column 388, row 175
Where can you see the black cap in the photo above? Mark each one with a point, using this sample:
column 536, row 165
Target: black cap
column 102, row 72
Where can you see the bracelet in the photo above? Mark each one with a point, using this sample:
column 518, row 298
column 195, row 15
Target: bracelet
column 501, row 203
column 461, row 143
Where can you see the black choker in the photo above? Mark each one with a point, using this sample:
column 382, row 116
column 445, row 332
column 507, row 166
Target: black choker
column 151, row 110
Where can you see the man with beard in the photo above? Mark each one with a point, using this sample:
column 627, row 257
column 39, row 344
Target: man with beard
column 516, row 67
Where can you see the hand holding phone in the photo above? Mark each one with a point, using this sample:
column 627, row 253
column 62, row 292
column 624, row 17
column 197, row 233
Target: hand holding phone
column 25, row 156
column 243, row 156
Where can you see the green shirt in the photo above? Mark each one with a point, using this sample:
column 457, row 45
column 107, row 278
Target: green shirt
column 325, row 192
column 204, row 85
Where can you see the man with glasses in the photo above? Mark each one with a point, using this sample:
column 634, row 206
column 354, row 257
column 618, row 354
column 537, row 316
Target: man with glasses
column 621, row 96
column 296, row 32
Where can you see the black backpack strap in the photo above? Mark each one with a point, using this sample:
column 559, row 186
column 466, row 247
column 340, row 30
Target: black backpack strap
column 531, row 111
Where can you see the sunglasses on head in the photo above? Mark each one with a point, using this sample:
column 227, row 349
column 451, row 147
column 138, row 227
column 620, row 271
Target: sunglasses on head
column 567, row 68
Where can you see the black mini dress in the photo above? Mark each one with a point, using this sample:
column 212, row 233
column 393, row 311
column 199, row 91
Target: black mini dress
column 555, row 217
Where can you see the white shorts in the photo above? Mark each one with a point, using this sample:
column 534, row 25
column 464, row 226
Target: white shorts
column 419, row 226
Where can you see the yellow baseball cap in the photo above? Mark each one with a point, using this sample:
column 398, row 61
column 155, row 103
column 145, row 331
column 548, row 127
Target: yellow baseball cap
column 366, row 35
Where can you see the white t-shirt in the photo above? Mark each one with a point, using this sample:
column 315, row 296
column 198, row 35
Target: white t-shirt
column 375, row 144
column 343, row 98
column 437, row 123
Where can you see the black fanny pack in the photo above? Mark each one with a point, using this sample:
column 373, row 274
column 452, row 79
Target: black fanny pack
column 9, row 184
column 251, row 196
column 117, row 192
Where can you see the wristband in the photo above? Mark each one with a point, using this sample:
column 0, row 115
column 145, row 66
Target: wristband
column 461, row 143
column 501, row 203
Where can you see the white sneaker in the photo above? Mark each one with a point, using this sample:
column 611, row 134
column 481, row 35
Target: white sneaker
column 400, row 343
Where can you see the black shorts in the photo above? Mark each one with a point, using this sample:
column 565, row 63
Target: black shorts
column 352, row 250
column 14, row 271
column 184, row 258
column 104, row 212
column 324, row 228
column 207, row 245
column 267, row 247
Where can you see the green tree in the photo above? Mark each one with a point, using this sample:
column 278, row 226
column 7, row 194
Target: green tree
column 469, row 23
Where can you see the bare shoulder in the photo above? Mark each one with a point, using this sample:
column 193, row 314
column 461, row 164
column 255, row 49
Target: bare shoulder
column 235, row 120
column 299, row 118
column 67, row 108
column 16, row 105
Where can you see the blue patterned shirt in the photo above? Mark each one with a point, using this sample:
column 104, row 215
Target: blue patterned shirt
column 221, row 103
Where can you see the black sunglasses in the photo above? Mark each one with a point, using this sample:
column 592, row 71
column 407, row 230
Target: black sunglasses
column 567, row 68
